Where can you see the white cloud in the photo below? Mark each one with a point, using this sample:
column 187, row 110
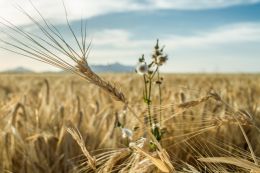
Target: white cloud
column 118, row 39
column 237, row 33
column 198, row 4
column 228, row 48
column 113, row 37
column 53, row 9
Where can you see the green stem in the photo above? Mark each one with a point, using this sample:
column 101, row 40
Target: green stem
column 149, row 97
column 154, row 72
column 145, row 87
column 160, row 95
column 149, row 101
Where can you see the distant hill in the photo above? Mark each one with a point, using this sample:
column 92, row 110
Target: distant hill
column 19, row 70
column 113, row 68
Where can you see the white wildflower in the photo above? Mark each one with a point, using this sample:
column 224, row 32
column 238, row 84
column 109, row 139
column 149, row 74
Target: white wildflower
column 127, row 133
column 139, row 143
column 161, row 59
column 155, row 125
column 142, row 68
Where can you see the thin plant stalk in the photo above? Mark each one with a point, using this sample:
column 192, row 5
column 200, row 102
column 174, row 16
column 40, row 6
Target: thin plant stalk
column 160, row 95
column 149, row 101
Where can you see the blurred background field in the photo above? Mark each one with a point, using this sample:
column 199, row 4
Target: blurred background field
column 202, row 116
column 36, row 109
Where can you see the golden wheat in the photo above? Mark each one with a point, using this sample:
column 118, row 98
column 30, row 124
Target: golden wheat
column 34, row 134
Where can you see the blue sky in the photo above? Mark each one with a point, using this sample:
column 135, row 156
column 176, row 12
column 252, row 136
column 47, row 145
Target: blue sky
column 200, row 36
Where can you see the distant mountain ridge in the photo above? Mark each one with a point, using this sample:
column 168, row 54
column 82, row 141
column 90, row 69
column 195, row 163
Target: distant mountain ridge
column 19, row 70
column 115, row 67
column 110, row 68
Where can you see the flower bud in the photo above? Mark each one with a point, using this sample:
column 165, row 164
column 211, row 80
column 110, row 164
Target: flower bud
column 141, row 68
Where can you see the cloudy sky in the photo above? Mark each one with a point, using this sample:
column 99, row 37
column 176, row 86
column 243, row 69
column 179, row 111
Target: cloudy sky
column 199, row 35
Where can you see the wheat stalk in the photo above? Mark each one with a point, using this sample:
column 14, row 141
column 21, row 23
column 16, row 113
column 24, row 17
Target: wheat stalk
column 78, row 138
column 47, row 48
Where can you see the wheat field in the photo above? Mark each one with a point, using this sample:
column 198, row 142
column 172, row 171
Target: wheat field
column 60, row 123
column 149, row 122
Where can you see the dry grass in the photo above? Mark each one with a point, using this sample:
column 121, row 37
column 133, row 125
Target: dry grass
column 204, row 131
column 60, row 123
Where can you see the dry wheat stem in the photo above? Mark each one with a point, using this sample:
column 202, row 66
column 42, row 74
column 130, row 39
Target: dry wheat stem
column 82, row 68
column 78, row 138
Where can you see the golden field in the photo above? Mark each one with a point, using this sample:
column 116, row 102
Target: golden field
column 211, row 124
